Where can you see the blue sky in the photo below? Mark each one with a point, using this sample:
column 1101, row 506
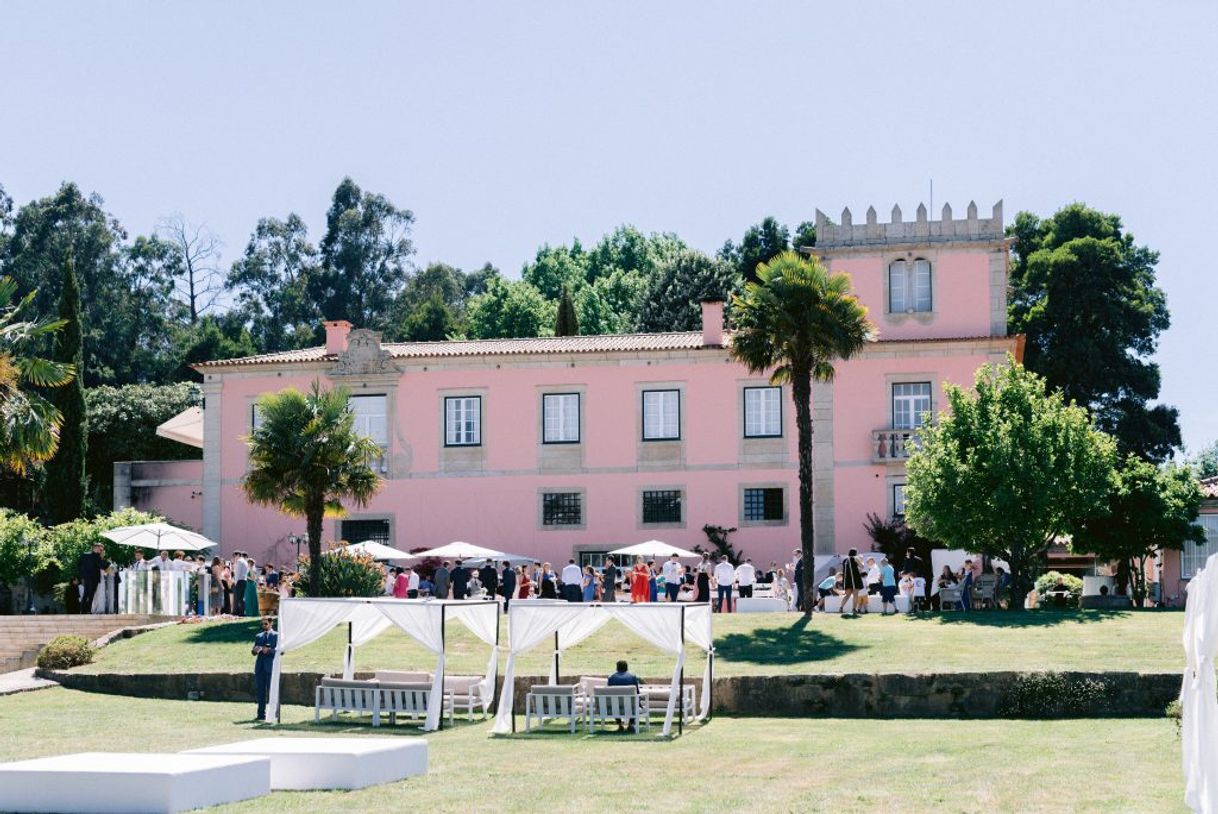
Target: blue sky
column 506, row 125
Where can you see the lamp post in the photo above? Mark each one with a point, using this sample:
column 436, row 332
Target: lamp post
column 29, row 577
column 297, row 539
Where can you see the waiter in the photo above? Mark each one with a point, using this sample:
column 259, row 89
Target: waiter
column 89, row 568
column 265, row 644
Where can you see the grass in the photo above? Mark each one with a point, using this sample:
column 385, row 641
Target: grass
column 775, row 764
column 746, row 644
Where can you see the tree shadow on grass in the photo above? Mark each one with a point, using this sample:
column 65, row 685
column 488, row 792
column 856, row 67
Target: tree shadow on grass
column 1041, row 617
column 224, row 633
column 790, row 644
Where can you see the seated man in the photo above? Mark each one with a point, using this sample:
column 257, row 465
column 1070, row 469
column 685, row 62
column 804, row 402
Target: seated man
column 624, row 678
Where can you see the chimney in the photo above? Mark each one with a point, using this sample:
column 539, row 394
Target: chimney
column 336, row 336
column 712, row 322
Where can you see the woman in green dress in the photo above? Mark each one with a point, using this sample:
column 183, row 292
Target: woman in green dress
column 251, row 590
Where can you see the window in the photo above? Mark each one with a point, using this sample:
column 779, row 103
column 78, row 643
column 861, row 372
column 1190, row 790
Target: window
column 909, row 287
column 255, row 417
column 762, row 412
column 661, row 415
column 462, row 421
column 562, row 509
column 898, row 500
column 560, row 418
column 1193, row 557
column 594, row 558
column 372, row 422
column 910, row 405
column 763, row 504
column 363, row 531
column 662, row 506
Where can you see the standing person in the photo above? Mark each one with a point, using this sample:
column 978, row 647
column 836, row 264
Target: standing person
column 725, row 575
column 609, row 581
column 412, row 583
column 241, row 570
column 588, row 584
column 215, row 588
column 460, row 580
column 264, row 653
column 746, row 578
column 89, row 568
column 489, row 578
column 797, row 576
column 572, row 577
column 652, row 583
column 888, row 586
column 508, row 583
column 852, row 582
column 672, row 578
column 913, row 565
column 639, row 577
column 703, row 582
column 547, row 582
column 826, row 587
column 526, row 584
column 401, row 584
column 441, row 581
column 251, row 588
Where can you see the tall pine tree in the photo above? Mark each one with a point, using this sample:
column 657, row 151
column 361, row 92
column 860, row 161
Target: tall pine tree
column 568, row 321
column 66, row 484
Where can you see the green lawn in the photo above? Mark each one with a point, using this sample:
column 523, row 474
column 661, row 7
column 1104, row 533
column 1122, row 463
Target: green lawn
column 746, row 644
column 774, row 764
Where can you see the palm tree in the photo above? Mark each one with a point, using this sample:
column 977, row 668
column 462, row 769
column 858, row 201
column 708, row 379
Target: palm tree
column 29, row 424
column 306, row 458
column 796, row 320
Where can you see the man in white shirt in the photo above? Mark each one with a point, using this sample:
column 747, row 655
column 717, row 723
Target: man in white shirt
column 672, row 578
column 746, row 577
column 572, row 582
column 725, row 575
column 140, row 563
column 241, row 572
column 160, row 562
column 412, row 583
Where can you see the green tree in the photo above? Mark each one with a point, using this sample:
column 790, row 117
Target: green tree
column 1084, row 294
column 510, row 308
column 365, row 258
column 1148, row 509
column 1205, row 462
column 611, row 304
column 568, row 322
column 213, row 337
column 431, row 321
column 1009, row 469
column 306, row 458
column 269, row 281
column 760, row 244
column 627, row 249
column 674, row 294
column 556, row 268
column 29, row 423
column 796, row 321
column 66, row 471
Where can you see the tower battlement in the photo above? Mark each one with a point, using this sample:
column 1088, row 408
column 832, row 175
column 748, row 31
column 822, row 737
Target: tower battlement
column 898, row 230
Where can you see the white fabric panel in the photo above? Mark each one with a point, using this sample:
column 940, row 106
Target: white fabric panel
column 575, row 631
column 529, row 623
column 302, row 622
column 1198, row 704
column 423, row 622
column 367, row 622
column 660, row 625
column 699, row 631
column 482, row 619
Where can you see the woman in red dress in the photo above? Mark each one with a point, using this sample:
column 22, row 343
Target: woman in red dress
column 640, row 581
column 526, row 584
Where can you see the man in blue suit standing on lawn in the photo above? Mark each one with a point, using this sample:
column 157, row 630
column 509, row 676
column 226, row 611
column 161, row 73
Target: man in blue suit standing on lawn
column 265, row 644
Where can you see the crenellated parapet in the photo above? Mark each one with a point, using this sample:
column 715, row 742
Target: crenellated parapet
column 919, row 230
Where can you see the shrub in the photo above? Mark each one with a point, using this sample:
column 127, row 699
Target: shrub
column 343, row 575
column 1175, row 714
column 1045, row 583
column 15, row 562
column 1054, row 695
column 65, row 651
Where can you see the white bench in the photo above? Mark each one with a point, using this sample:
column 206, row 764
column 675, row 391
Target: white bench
column 137, row 783
column 761, row 604
column 338, row 695
column 618, row 704
column 466, row 693
column 658, row 695
column 410, row 701
column 332, row 763
column 547, row 702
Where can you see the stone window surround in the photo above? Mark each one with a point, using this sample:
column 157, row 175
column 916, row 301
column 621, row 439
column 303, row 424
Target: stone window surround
column 444, row 417
column 890, row 484
column 657, row 387
column 910, row 257
column 911, row 378
column 579, row 391
column 786, row 504
column 744, row 410
column 462, row 457
column 392, row 518
column 542, row 491
column 661, row 487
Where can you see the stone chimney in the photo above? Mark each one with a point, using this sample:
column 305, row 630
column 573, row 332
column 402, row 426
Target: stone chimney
column 336, row 336
column 712, row 322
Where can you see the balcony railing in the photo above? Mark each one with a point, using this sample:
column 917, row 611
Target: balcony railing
column 892, row 445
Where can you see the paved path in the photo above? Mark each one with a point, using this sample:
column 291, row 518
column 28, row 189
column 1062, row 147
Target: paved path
column 22, row 681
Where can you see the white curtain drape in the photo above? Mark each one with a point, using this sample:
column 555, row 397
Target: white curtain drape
column 423, row 622
column 660, row 625
column 700, row 632
column 528, row 624
column 575, row 631
column 482, row 619
column 302, row 622
column 1198, row 702
column 367, row 622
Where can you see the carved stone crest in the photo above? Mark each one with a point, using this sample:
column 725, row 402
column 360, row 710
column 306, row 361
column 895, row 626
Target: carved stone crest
column 363, row 355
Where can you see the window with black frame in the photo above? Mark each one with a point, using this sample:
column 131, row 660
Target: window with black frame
column 662, row 506
column 562, row 509
column 363, row 531
column 763, row 504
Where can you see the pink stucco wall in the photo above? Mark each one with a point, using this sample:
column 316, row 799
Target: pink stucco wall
column 172, row 489
column 1174, row 593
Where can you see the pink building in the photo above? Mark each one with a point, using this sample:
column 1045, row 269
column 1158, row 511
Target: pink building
column 561, row 447
column 1178, row 567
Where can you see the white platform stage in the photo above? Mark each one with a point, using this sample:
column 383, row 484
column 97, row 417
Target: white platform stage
column 332, row 763
column 139, row 783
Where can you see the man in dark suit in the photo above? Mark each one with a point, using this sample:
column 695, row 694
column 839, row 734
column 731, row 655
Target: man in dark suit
column 264, row 653
column 798, row 586
column 440, row 591
column 609, row 581
column 460, row 578
column 489, row 578
column 509, row 584
column 89, row 568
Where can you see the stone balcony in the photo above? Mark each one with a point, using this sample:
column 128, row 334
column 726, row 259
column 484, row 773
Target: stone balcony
column 892, row 446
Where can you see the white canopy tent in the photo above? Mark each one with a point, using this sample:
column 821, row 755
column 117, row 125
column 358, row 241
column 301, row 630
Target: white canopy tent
column 462, row 551
column 304, row 621
column 669, row 626
column 653, row 548
column 1198, row 702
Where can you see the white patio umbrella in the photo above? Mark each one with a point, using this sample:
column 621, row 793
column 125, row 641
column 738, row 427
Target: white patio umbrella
column 654, row 548
column 378, row 551
column 160, row 536
column 461, row 551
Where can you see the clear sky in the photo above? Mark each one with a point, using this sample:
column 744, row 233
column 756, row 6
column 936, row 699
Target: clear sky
column 507, row 125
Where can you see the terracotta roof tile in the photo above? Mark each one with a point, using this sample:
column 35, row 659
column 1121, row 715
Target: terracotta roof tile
column 1209, row 488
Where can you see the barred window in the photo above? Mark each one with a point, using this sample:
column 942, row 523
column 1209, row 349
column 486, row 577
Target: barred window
column 763, row 504
column 363, row 531
column 562, row 509
column 662, row 506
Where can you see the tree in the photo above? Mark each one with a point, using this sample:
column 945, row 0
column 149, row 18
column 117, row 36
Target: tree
column 1084, row 294
column 197, row 279
column 431, row 321
column 365, row 258
column 554, row 269
column 1007, row 471
column 568, row 321
column 760, row 244
column 1205, row 462
column 29, row 423
column 306, row 458
column 66, row 471
column 796, row 321
column 211, row 338
column 510, row 308
column 611, row 305
column 270, row 283
column 627, row 249
column 673, row 295
column 1148, row 509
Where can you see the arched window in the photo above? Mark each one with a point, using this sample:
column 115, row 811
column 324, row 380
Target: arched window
column 909, row 287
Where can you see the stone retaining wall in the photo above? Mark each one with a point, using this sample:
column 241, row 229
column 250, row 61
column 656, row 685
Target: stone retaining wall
column 853, row 695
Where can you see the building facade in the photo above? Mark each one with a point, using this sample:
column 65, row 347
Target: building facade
column 571, row 446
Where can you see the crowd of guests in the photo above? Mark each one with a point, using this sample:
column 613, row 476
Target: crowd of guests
column 860, row 582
